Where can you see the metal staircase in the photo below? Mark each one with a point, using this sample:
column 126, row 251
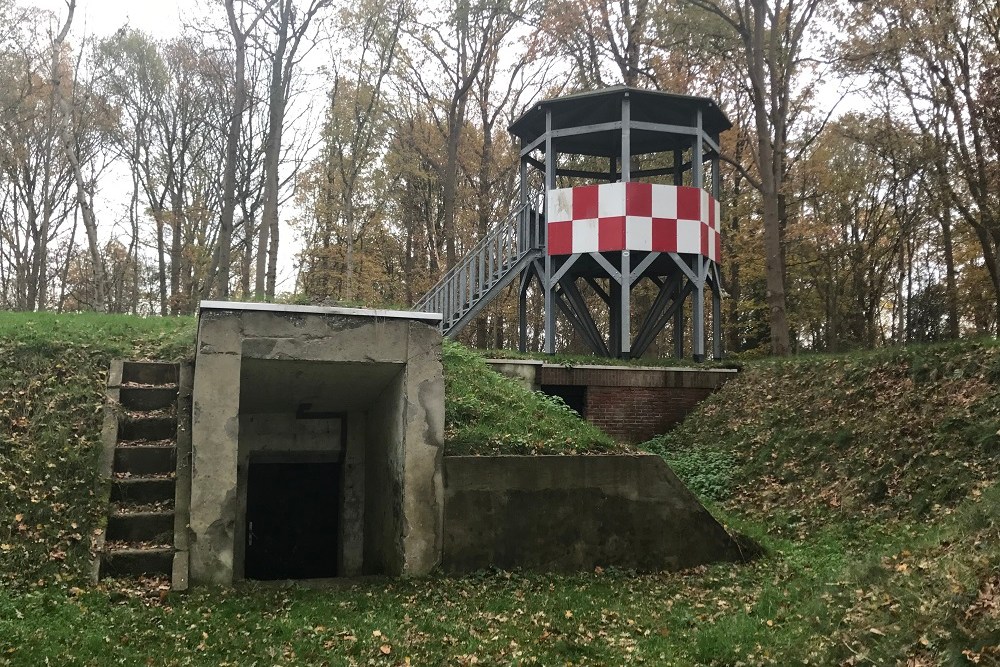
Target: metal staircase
column 479, row 277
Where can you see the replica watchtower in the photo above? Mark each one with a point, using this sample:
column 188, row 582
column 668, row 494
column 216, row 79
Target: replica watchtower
column 640, row 177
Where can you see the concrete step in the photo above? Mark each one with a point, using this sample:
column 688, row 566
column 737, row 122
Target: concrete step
column 148, row 428
column 141, row 527
column 142, row 490
column 147, row 398
column 146, row 460
column 150, row 372
column 132, row 562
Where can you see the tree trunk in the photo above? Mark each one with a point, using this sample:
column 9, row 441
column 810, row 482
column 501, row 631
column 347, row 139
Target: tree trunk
column 951, row 288
column 89, row 220
column 272, row 156
column 224, row 247
column 456, row 118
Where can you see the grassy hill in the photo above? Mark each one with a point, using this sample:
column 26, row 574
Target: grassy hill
column 871, row 480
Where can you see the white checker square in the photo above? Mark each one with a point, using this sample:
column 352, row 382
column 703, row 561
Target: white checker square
column 718, row 217
column 689, row 236
column 704, row 207
column 639, row 232
column 560, row 205
column 585, row 235
column 712, row 234
column 611, row 200
column 664, row 201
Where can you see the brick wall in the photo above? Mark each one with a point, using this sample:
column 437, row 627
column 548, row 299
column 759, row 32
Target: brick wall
column 629, row 403
column 636, row 414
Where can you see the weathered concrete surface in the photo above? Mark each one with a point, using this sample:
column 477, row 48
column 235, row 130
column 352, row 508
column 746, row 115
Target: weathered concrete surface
column 381, row 369
column 568, row 513
column 527, row 372
column 423, row 451
column 214, row 473
column 352, row 499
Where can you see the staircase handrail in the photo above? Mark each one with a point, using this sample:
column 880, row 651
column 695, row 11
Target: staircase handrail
column 528, row 237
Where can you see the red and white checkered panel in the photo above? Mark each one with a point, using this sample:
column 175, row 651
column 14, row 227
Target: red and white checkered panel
column 633, row 216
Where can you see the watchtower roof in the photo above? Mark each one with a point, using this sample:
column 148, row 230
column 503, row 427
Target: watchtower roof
column 605, row 106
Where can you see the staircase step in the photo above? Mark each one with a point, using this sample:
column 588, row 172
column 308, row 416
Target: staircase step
column 150, row 372
column 142, row 489
column 146, row 460
column 134, row 397
column 141, row 526
column 148, row 428
column 131, row 562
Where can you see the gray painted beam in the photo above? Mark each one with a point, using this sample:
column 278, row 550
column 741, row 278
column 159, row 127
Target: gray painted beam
column 626, row 126
column 595, row 344
column 583, row 312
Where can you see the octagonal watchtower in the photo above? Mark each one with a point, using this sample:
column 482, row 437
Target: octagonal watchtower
column 617, row 186
column 651, row 214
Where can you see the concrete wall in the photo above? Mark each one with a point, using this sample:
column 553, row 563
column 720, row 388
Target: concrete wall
column 383, row 540
column 629, row 403
column 352, row 358
column 574, row 513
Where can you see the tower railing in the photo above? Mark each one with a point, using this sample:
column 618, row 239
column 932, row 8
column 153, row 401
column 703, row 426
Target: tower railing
column 483, row 272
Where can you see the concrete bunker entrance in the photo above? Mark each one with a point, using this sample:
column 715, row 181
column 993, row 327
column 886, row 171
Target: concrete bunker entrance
column 309, row 432
column 322, row 427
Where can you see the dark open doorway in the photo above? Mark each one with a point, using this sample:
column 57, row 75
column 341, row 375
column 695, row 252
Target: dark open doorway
column 292, row 523
column 574, row 396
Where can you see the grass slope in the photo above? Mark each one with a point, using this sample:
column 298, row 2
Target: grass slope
column 487, row 413
column 53, row 370
column 870, row 479
column 878, row 472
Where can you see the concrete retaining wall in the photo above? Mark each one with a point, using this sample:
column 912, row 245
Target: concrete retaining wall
column 574, row 513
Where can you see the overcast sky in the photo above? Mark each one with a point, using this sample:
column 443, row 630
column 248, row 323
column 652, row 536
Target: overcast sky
column 161, row 18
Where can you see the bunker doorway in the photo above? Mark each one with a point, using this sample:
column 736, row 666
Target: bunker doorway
column 292, row 521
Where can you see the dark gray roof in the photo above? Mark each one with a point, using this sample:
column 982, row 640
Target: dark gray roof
column 604, row 106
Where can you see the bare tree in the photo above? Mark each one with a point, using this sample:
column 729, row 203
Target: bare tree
column 241, row 29
column 771, row 36
column 454, row 46
column 65, row 111
column 289, row 24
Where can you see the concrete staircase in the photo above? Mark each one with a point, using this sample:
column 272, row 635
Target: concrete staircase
column 145, row 534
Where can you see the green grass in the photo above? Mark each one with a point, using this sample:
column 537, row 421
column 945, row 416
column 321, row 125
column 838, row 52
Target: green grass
column 487, row 413
column 564, row 359
column 869, row 479
column 53, row 369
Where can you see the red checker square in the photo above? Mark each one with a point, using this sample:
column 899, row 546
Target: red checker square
column 611, row 234
column 560, row 238
column 688, row 203
column 705, row 231
column 718, row 248
column 585, row 202
column 639, row 199
column 711, row 213
column 664, row 235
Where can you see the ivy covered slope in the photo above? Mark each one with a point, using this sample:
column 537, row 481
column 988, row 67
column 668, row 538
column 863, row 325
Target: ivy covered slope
column 873, row 480
column 487, row 413
column 904, row 433
column 53, row 370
